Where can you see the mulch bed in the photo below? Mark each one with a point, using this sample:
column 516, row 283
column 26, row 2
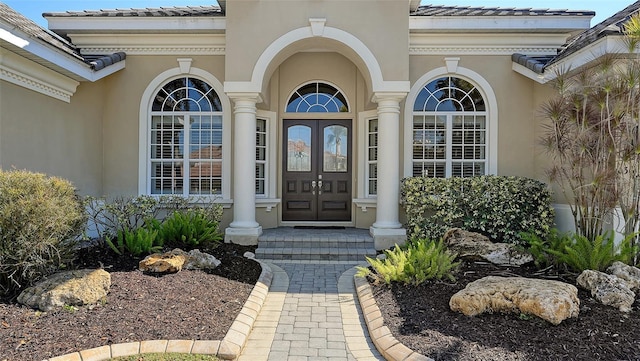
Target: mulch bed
column 420, row 318
column 190, row 305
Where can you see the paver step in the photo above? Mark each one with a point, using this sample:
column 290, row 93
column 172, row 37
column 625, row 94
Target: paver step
column 326, row 245
column 322, row 254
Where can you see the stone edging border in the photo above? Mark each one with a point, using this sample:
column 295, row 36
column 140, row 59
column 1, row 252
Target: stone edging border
column 228, row 348
column 389, row 346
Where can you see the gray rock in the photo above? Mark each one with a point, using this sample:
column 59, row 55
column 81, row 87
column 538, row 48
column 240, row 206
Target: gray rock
column 608, row 289
column 381, row 256
column 552, row 301
column 71, row 288
column 249, row 255
column 471, row 245
column 200, row 260
column 629, row 274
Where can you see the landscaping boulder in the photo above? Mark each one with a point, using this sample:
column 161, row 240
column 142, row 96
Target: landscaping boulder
column 552, row 301
column 475, row 246
column 71, row 288
column 169, row 262
column 200, row 260
column 176, row 260
column 629, row 274
column 608, row 289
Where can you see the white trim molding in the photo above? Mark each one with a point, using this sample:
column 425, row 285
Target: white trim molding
column 490, row 101
column 15, row 69
column 150, row 44
column 485, row 44
column 146, row 101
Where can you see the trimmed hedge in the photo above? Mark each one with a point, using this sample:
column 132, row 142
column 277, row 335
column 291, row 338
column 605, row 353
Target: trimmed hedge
column 41, row 219
column 499, row 207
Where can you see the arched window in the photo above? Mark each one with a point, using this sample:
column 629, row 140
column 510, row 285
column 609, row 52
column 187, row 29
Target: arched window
column 449, row 130
column 185, row 139
column 317, row 97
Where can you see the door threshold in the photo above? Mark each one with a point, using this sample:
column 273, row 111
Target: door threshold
column 318, row 225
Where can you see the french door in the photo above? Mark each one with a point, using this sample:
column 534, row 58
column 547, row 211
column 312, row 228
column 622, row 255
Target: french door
column 317, row 166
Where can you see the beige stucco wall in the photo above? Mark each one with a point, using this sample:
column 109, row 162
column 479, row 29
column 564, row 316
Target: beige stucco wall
column 252, row 25
column 43, row 134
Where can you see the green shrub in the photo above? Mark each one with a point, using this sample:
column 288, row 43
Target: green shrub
column 41, row 219
column 579, row 253
column 421, row 260
column 121, row 214
column 192, row 227
column 499, row 207
column 142, row 240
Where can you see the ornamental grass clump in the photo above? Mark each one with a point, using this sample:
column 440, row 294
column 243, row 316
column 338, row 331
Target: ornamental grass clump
column 420, row 261
column 41, row 219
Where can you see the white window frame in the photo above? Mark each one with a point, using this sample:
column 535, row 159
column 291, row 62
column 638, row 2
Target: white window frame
column 269, row 199
column 365, row 199
column 448, row 160
column 144, row 124
column 491, row 112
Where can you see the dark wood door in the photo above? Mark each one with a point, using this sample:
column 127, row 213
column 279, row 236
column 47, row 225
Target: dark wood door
column 316, row 183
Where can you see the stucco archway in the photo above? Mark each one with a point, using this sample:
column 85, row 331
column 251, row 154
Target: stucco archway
column 312, row 36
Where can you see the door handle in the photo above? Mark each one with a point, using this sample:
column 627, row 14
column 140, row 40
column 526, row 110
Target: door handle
column 319, row 187
column 313, row 187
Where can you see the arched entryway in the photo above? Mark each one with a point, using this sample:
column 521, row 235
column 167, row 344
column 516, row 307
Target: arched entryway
column 387, row 94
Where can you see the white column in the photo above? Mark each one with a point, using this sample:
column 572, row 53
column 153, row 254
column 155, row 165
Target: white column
column 244, row 229
column 387, row 230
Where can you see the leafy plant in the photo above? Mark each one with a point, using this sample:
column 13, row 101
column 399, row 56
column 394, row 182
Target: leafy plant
column 192, row 227
column 139, row 241
column 499, row 207
column 579, row 253
column 41, row 219
column 421, row 260
column 541, row 248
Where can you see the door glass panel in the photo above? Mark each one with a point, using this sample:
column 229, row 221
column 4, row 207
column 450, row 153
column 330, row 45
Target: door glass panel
column 335, row 149
column 299, row 148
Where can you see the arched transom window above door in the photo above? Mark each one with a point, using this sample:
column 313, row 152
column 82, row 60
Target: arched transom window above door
column 449, row 130
column 317, row 97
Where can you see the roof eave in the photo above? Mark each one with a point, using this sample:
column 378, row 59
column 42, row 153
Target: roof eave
column 63, row 25
column 42, row 53
column 520, row 23
column 613, row 44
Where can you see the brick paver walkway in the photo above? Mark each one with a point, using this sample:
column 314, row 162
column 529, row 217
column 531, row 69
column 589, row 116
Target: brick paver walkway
column 310, row 314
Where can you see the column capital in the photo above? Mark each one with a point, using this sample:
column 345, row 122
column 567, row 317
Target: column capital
column 245, row 96
column 388, row 96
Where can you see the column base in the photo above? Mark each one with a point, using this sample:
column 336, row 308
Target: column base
column 242, row 236
column 384, row 238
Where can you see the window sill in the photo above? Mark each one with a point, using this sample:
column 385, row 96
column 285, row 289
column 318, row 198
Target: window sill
column 267, row 203
column 365, row 203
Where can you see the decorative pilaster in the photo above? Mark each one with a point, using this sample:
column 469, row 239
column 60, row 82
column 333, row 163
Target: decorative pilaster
column 387, row 230
column 244, row 229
